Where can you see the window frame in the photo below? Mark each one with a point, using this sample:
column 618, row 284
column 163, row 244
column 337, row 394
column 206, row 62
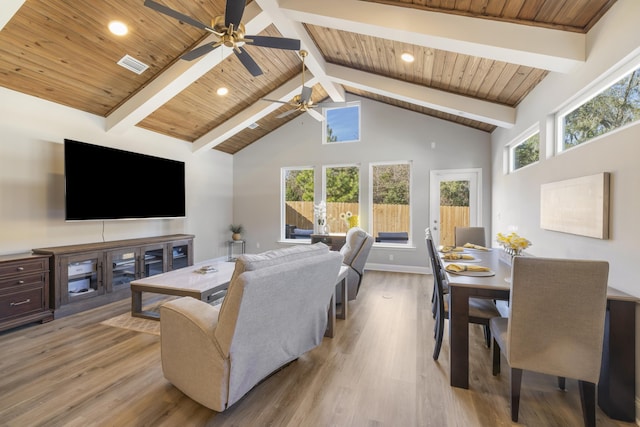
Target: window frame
column 283, row 202
column 324, row 185
column 519, row 140
column 326, row 123
column 593, row 90
column 409, row 242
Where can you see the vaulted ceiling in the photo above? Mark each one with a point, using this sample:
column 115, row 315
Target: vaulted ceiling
column 475, row 60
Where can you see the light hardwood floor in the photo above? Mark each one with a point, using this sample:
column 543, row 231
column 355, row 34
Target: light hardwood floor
column 376, row 371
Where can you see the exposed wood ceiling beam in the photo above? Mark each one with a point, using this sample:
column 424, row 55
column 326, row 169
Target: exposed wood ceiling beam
column 314, row 61
column 250, row 115
column 8, row 8
column 178, row 77
column 536, row 47
column 471, row 108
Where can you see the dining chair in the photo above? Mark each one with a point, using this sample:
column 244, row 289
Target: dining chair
column 475, row 235
column 555, row 325
column 481, row 310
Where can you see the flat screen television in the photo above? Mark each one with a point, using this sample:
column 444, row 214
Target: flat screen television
column 103, row 183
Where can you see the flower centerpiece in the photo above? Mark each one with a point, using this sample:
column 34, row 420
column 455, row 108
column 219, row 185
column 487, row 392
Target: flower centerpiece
column 349, row 219
column 512, row 243
column 320, row 213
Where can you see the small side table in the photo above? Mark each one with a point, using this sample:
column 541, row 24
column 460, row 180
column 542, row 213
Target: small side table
column 230, row 246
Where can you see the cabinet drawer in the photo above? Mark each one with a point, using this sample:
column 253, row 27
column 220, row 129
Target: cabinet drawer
column 22, row 266
column 20, row 303
column 22, row 280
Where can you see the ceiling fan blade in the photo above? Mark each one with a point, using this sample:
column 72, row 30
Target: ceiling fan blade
column 177, row 15
column 274, row 42
column 305, row 96
column 199, row 51
column 233, row 13
column 330, row 104
column 248, row 62
column 319, row 117
column 285, row 114
column 276, row 100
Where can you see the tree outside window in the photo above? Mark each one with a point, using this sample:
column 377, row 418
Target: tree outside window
column 614, row 107
column 342, row 196
column 526, row 152
column 298, row 190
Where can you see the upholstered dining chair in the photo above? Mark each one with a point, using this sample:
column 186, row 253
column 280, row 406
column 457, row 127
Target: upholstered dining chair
column 481, row 311
column 475, row 235
column 560, row 335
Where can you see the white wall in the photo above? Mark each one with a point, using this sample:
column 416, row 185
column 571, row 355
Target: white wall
column 32, row 181
column 516, row 197
column 388, row 134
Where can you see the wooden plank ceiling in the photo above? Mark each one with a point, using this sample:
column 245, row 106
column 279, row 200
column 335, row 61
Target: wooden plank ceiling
column 62, row 51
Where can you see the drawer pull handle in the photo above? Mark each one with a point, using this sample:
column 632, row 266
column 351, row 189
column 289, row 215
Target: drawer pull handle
column 20, row 282
column 20, row 268
column 13, row 304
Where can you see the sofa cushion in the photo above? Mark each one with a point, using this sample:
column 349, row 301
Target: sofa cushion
column 250, row 262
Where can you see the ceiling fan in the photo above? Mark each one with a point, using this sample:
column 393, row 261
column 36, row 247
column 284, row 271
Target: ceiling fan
column 303, row 102
column 231, row 33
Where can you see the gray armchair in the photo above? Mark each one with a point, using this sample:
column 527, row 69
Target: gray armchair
column 355, row 252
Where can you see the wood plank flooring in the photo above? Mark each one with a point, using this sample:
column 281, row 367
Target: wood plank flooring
column 376, row 371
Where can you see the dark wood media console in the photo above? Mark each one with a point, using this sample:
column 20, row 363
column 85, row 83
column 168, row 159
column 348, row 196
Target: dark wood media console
column 92, row 274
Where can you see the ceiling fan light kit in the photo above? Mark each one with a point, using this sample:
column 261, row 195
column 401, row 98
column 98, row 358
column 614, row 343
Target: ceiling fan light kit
column 230, row 32
column 303, row 101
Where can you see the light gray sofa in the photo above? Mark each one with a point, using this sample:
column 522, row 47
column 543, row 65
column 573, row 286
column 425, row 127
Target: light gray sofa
column 275, row 310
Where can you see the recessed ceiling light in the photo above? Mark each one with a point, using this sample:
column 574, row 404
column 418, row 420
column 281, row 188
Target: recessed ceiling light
column 222, row 91
column 407, row 57
column 118, row 28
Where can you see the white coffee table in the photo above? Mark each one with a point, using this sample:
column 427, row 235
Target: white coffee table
column 183, row 282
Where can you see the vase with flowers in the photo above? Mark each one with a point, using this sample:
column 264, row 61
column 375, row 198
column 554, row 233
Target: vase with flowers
column 513, row 244
column 350, row 220
column 320, row 213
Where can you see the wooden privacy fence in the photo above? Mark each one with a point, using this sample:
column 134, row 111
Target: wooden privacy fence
column 387, row 218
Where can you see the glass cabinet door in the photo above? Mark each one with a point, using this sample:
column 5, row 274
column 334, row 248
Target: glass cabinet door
column 180, row 256
column 123, row 267
column 83, row 277
column 154, row 260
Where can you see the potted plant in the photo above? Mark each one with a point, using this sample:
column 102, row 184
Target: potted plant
column 237, row 230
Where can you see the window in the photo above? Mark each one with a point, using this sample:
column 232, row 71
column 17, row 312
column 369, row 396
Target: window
column 390, row 202
column 342, row 196
column 297, row 205
column 342, row 124
column 615, row 105
column 524, row 152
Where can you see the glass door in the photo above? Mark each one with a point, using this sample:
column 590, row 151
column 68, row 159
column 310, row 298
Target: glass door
column 123, row 265
column 455, row 201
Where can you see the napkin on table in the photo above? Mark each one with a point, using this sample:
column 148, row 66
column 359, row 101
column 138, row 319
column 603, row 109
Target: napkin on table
column 472, row 246
column 456, row 268
column 455, row 256
column 445, row 249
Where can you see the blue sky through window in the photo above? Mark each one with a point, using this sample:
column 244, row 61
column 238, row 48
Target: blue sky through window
column 344, row 123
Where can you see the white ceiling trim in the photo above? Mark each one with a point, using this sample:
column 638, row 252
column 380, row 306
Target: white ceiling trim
column 314, row 61
column 178, row 77
column 250, row 115
column 536, row 47
column 463, row 106
column 8, row 8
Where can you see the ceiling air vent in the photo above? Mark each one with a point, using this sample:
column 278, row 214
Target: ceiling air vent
column 132, row 64
column 253, row 125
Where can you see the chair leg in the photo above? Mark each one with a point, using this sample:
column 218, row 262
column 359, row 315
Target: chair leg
column 588, row 399
column 562, row 383
column 439, row 335
column 516, row 381
column 487, row 336
column 496, row 358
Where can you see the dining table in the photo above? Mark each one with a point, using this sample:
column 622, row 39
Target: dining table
column 616, row 387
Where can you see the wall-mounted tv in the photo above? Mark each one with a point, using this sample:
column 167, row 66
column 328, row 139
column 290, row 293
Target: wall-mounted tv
column 103, row 183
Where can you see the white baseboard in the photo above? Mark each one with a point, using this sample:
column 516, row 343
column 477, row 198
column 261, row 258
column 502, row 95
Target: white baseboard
column 397, row 268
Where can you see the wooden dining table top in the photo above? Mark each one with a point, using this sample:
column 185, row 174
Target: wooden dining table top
column 501, row 281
